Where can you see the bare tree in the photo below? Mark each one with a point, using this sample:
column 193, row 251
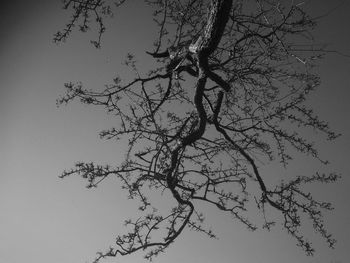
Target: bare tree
column 229, row 86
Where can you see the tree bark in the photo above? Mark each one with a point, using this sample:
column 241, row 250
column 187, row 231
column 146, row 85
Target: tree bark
column 217, row 19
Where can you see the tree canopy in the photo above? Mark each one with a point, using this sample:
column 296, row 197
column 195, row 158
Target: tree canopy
column 227, row 93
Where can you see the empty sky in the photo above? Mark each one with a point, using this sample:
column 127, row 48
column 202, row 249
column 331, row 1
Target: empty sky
column 45, row 219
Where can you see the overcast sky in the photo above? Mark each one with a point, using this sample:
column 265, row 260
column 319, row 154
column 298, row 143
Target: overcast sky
column 45, row 219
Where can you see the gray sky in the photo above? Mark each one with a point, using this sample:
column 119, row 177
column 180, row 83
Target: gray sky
column 45, row 219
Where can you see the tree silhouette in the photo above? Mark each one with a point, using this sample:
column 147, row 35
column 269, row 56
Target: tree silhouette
column 228, row 89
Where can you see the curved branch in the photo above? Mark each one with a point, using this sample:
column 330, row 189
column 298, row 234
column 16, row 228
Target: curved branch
column 244, row 154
